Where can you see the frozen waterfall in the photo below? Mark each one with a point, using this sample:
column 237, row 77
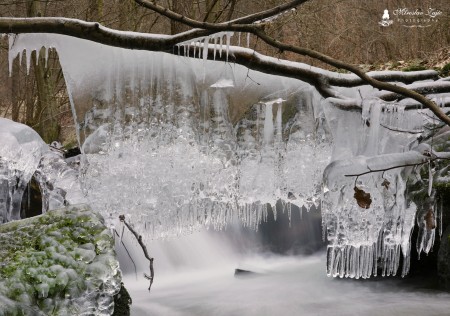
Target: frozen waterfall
column 177, row 143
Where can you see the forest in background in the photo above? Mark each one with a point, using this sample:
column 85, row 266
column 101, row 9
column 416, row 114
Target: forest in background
column 348, row 30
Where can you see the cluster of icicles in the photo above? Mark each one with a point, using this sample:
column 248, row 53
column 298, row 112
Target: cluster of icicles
column 177, row 143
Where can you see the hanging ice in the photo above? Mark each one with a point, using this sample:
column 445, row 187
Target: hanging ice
column 176, row 146
column 177, row 143
column 21, row 149
column 24, row 154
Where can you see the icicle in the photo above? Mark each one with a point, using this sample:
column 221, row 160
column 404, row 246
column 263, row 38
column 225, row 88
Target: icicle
column 239, row 39
column 248, row 40
column 430, row 179
column 205, row 56
column 38, row 54
column 215, row 46
column 205, row 50
column 220, row 45
column 268, row 124
column 279, row 123
column 20, row 57
column 11, row 56
column 228, row 37
column 28, row 60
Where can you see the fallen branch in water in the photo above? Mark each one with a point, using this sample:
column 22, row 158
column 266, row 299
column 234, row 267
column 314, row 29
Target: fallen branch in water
column 144, row 249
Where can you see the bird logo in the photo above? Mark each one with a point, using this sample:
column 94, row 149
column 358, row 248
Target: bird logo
column 385, row 21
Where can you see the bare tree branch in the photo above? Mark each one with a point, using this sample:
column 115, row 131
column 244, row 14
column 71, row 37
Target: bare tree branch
column 237, row 25
column 241, row 24
column 95, row 32
column 396, row 167
column 144, row 249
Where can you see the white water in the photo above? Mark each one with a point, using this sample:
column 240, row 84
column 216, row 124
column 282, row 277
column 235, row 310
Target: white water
column 284, row 286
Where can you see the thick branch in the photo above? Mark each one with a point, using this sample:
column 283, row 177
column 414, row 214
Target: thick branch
column 373, row 82
column 259, row 32
column 317, row 77
column 243, row 24
column 97, row 33
column 422, row 88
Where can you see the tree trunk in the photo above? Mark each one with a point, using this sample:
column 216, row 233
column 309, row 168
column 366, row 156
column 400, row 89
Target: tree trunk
column 47, row 126
column 15, row 90
column 46, row 123
column 177, row 27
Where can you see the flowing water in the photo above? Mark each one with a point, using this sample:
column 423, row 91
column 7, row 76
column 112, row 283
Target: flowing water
column 195, row 276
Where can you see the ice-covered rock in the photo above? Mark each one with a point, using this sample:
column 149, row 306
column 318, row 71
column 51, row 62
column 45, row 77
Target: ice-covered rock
column 24, row 154
column 59, row 263
column 21, row 149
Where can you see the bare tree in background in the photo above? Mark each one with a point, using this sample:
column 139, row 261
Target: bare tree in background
column 318, row 29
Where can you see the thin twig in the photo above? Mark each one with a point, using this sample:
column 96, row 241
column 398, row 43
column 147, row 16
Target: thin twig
column 395, row 167
column 401, row 130
column 144, row 249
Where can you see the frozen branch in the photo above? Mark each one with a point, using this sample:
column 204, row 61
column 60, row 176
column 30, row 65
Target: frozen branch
column 410, row 164
column 259, row 32
column 242, row 24
column 322, row 80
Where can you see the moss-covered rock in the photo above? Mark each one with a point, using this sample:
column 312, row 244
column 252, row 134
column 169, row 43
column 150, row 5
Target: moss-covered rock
column 59, row 263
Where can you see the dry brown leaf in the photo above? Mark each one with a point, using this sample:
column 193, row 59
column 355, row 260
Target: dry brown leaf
column 430, row 220
column 362, row 198
column 385, row 184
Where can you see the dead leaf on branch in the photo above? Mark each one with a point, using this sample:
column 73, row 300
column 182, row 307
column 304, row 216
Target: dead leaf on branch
column 430, row 220
column 385, row 184
column 362, row 198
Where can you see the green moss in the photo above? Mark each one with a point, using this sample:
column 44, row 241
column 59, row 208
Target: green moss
column 445, row 71
column 45, row 260
column 414, row 68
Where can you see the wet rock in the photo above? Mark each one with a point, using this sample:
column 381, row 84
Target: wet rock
column 241, row 273
column 443, row 260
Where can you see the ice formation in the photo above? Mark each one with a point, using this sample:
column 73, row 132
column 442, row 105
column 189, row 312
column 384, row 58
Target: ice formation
column 24, row 154
column 176, row 143
column 20, row 152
